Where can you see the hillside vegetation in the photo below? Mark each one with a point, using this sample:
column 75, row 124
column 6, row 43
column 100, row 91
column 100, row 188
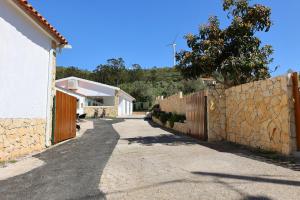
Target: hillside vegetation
column 142, row 83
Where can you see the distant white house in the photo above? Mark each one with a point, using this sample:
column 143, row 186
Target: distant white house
column 28, row 45
column 95, row 98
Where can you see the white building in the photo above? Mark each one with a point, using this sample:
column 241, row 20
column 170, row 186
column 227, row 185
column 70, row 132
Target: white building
column 94, row 97
column 28, row 46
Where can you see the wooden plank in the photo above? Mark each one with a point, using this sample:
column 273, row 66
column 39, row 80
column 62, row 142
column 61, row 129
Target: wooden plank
column 296, row 94
column 195, row 114
column 65, row 121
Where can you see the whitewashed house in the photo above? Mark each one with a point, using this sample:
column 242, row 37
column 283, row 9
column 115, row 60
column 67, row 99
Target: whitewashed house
column 28, row 45
column 94, row 97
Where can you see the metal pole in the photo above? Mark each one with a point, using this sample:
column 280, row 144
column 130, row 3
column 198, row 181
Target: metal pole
column 174, row 53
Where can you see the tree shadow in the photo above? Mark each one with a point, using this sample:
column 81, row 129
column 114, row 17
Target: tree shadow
column 249, row 197
column 173, row 139
column 250, row 178
column 72, row 170
column 164, row 139
column 289, row 162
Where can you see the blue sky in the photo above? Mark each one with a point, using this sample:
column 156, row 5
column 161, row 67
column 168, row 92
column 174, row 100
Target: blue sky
column 139, row 30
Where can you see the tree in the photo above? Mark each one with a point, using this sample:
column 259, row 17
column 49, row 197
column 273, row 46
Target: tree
column 143, row 84
column 136, row 73
column 113, row 72
column 142, row 91
column 63, row 72
column 233, row 55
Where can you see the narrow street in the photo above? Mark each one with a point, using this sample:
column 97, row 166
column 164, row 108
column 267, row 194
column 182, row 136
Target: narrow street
column 133, row 159
column 150, row 163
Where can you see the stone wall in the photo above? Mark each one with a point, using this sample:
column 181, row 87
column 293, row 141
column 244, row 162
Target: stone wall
column 216, row 113
column 258, row 114
column 174, row 104
column 111, row 111
column 19, row 137
column 261, row 115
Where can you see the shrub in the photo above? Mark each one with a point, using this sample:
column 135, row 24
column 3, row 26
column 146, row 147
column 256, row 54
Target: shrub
column 176, row 118
column 154, row 107
column 163, row 117
column 156, row 113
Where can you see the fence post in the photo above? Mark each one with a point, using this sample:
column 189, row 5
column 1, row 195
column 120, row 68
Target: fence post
column 205, row 118
column 296, row 95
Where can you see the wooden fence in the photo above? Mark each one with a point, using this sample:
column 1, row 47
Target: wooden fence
column 196, row 115
column 296, row 94
column 65, row 117
column 194, row 107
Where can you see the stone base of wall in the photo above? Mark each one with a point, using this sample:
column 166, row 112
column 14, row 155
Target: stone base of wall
column 19, row 137
column 180, row 127
column 92, row 111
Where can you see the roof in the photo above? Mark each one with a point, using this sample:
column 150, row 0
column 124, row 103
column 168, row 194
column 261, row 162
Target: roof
column 68, row 91
column 39, row 19
column 97, row 83
column 88, row 81
column 127, row 95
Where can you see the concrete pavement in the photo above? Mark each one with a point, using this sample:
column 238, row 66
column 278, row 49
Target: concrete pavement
column 150, row 163
column 134, row 159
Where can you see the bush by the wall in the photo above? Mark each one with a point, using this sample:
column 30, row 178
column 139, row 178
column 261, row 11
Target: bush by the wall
column 155, row 107
column 176, row 118
column 155, row 110
column 164, row 116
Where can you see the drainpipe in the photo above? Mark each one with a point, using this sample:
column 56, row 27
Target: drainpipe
column 49, row 99
column 51, row 68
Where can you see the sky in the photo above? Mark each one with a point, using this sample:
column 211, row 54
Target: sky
column 139, row 30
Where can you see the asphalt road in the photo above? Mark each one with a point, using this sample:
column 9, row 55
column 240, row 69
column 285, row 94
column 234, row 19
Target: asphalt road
column 71, row 170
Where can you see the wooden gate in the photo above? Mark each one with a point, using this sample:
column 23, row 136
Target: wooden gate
column 196, row 115
column 65, row 117
column 296, row 94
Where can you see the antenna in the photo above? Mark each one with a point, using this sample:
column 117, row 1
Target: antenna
column 173, row 44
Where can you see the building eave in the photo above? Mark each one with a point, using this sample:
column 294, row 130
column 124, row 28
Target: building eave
column 40, row 21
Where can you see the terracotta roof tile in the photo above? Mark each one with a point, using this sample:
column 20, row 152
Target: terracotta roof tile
column 24, row 5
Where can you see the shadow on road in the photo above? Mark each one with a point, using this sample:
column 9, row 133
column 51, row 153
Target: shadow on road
column 171, row 140
column 239, row 150
column 71, row 171
column 255, row 154
column 250, row 178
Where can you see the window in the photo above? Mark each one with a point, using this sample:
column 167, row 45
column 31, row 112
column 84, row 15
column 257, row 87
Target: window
column 94, row 101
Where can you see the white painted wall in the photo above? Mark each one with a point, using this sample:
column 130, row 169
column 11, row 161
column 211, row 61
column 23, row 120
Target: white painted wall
column 87, row 88
column 128, row 108
column 131, row 108
column 24, row 65
column 80, row 108
column 121, row 107
column 125, row 107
